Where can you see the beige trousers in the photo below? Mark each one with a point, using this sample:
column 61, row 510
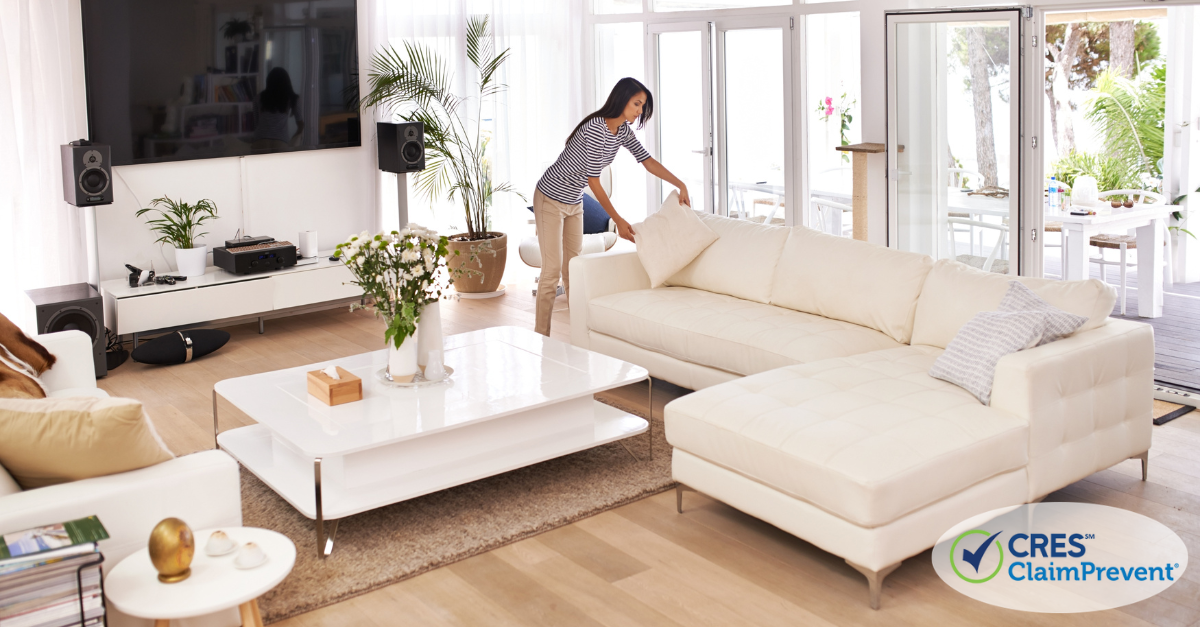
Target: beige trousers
column 560, row 238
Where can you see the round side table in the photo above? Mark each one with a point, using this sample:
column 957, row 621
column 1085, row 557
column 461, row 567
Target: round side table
column 215, row 584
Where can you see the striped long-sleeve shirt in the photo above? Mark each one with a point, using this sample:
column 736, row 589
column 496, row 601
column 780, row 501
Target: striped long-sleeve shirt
column 588, row 152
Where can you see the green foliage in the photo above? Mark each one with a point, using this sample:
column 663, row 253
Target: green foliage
column 416, row 84
column 995, row 47
column 1109, row 172
column 1129, row 116
column 1094, row 51
column 177, row 224
column 235, row 27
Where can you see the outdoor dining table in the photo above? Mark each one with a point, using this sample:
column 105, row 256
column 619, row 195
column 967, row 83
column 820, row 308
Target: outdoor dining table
column 1149, row 222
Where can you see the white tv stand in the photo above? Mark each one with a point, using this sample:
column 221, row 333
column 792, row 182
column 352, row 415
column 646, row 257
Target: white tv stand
column 219, row 295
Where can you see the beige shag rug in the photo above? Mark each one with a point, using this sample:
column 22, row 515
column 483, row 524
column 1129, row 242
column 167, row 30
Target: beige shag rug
column 383, row 546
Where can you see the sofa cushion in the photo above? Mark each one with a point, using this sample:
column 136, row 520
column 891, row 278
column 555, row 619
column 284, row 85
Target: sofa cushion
column 22, row 361
column 670, row 239
column 868, row 438
column 955, row 292
column 724, row 332
column 741, row 263
column 56, row 440
column 846, row 279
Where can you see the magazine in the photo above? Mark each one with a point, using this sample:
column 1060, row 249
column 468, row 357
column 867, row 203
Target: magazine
column 51, row 537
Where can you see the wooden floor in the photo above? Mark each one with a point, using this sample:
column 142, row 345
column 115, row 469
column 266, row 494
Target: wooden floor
column 643, row 564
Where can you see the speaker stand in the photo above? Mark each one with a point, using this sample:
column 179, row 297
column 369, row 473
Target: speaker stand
column 91, row 241
column 402, row 198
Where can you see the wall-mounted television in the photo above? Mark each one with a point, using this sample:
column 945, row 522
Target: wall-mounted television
column 172, row 80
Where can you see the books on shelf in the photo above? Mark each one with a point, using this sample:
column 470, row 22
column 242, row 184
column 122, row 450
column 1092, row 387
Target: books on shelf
column 50, row 576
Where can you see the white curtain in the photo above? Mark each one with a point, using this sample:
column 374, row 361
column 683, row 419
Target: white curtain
column 41, row 108
column 530, row 121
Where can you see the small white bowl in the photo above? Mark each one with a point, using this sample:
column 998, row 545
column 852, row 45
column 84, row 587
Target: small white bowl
column 250, row 556
column 219, row 543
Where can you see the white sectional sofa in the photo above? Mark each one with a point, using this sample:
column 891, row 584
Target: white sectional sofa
column 814, row 409
column 203, row 489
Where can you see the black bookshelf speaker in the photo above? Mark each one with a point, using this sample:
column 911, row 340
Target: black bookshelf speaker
column 77, row 307
column 401, row 146
column 87, row 174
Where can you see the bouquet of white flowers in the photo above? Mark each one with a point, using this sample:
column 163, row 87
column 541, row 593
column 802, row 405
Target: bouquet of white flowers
column 401, row 271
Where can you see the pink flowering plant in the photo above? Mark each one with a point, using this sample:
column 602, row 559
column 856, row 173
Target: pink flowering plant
column 401, row 271
column 826, row 109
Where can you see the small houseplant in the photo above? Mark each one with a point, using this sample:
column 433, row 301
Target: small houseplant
column 415, row 84
column 405, row 275
column 176, row 224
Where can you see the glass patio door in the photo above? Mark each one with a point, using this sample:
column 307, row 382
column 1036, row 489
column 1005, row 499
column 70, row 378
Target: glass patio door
column 953, row 151
column 680, row 66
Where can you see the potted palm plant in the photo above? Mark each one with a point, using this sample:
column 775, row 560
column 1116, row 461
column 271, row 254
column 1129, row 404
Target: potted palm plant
column 176, row 225
column 415, row 84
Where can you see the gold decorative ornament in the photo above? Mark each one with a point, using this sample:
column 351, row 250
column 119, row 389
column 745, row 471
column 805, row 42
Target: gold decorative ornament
column 172, row 546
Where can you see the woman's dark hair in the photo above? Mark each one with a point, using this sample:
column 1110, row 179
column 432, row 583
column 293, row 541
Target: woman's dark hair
column 614, row 107
column 278, row 97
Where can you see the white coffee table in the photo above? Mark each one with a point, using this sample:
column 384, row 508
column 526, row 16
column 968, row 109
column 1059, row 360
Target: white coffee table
column 516, row 398
column 214, row 585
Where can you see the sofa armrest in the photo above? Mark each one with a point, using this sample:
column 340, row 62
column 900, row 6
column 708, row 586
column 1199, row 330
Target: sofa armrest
column 74, row 367
column 593, row 276
column 202, row 489
column 1088, row 399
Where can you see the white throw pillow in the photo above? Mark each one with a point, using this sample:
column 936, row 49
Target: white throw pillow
column 670, row 239
column 1059, row 323
column 970, row 358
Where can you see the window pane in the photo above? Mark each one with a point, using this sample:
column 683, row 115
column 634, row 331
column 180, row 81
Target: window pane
column 601, row 7
column 833, row 110
column 679, row 110
column 703, row 5
column 754, row 124
column 619, row 53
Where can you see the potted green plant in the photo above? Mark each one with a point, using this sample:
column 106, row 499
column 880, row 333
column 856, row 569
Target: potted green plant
column 176, row 225
column 415, row 84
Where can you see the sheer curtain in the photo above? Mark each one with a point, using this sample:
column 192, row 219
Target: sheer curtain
column 41, row 108
column 529, row 122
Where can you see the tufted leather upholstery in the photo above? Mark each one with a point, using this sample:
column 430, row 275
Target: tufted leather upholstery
column 740, row 263
column 868, row 438
column 727, row 333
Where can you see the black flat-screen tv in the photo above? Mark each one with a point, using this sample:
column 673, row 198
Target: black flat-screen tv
column 171, row 80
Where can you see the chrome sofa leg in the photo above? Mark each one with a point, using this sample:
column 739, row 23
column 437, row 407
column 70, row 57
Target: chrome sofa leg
column 1145, row 457
column 875, row 579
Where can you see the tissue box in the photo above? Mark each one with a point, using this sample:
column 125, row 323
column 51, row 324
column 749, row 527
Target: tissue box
column 335, row 391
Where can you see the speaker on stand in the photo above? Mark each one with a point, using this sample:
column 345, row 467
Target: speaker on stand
column 76, row 307
column 401, row 150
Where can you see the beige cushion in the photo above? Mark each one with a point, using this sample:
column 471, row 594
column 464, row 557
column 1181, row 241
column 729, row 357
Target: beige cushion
column 741, row 263
column 954, row 293
column 48, row 441
column 868, row 438
column 870, row 285
column 727, row 333
column 670, row 239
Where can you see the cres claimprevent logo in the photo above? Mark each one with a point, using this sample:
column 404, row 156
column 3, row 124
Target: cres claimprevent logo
column 972, row 557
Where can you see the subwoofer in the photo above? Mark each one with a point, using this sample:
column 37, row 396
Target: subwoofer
column 77, row 307
column 401, row 146
column 87, row 174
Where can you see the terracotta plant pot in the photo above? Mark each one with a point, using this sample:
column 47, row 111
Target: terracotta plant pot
column 492, row 253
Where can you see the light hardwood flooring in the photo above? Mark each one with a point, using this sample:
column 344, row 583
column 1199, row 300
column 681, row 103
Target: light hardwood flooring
column 643, row 564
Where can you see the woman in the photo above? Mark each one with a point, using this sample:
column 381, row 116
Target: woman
column 558, row 201
column 272, row 108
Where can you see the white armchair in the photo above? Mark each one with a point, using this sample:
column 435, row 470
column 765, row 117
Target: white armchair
column 203, row 489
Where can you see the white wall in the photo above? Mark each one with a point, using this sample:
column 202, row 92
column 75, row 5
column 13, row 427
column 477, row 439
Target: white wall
column 330, row 191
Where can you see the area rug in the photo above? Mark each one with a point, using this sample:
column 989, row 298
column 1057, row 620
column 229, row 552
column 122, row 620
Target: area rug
column 1165, row 412
column 393, row 543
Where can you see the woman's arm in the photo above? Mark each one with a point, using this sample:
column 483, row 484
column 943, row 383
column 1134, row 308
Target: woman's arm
column 654, row 167
column 623, row 228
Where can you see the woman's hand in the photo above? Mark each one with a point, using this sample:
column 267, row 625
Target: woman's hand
column 624, row 229
column 683, row 196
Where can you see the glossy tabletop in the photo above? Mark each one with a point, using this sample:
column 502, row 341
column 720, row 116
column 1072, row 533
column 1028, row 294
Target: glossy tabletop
column 214, row 585
column 497, row 372
column 119, row 288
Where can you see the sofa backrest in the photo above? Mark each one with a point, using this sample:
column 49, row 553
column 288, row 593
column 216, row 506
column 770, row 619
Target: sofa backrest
column 741, row 263
column 835, row 277
column 955, row 292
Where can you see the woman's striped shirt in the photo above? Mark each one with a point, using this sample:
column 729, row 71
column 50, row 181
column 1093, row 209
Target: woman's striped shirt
column 588, row 152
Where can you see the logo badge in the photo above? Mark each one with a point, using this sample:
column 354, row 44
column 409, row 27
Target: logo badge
column 973, row 558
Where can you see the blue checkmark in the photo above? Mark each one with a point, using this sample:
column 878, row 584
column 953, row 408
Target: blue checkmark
column 975, row 557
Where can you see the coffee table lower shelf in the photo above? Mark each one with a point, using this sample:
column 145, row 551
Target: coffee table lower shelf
column 334, row 487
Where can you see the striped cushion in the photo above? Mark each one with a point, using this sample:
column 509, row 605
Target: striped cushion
column 971, row 357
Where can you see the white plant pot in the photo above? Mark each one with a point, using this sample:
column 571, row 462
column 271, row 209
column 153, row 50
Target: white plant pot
column 191, row 261
column 430, row 337
column 402, row 362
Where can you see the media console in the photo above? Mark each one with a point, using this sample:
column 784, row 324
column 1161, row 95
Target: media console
column 219, row 295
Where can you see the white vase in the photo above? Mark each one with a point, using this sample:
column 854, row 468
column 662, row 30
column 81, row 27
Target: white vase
column 402, row 362
column 191, row 261
column 430, row 338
